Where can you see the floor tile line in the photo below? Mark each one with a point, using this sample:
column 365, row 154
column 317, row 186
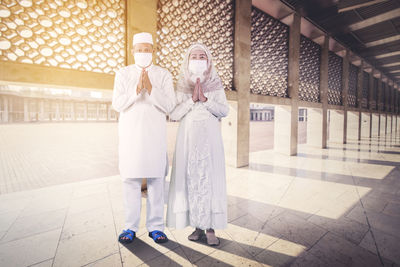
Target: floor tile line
column 102, row 258
column 6, row 232
column 275, row 208
column 27, row 236
column 40, row 262
column 115, row 226
column 62, row 229
column 180, row 246
column 367, row 219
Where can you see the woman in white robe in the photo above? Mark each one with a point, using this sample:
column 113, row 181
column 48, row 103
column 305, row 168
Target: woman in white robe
column 197, row 194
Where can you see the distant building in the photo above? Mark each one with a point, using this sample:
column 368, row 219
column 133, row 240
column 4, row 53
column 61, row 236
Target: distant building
column 30, row 104
column 261, row 112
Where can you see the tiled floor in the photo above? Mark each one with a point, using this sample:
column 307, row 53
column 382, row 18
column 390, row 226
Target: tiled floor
column 334, row 207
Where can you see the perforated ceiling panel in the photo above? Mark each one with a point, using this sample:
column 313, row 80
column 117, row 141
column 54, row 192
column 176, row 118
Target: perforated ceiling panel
column 335, row 64
column 310, row 56
column 353, row 81
column 269, row 55
column 181, row 23
column 81, row 35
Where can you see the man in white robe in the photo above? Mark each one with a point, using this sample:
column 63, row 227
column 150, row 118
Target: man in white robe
column 143, row 95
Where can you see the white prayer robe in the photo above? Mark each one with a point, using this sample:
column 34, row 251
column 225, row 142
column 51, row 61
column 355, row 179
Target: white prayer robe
column 198, row 183
column 142, row 126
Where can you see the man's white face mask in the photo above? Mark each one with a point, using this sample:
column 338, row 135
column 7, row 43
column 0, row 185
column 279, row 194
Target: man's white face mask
column 143, row 60
column 197, row 67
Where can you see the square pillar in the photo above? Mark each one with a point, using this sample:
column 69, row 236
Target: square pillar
column 293, row 86
column 375, row 125
column 315, row 127
column 282, row 129
column 388, row 123
column 241, row 82
column 345, row 86
column 336, row 125
column 365, row 124
column 352, row 125
column 382, row 124
column 324, row 89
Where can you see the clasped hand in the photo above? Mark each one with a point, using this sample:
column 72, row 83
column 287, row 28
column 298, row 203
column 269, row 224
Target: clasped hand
column 198, row 94
column 144, row 83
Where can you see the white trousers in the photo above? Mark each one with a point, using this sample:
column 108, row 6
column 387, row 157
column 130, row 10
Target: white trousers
column 154, row 203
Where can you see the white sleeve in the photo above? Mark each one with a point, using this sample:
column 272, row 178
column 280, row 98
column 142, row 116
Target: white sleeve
column 122, row 99
column 164, row 98
column 184, row 105
column 217, row 104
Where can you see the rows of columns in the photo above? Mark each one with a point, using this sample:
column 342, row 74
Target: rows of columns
column 59, row 113
column 324, row 122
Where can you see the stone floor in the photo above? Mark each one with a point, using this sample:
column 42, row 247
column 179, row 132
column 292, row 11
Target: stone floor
column 36, row 155
column 334, row 207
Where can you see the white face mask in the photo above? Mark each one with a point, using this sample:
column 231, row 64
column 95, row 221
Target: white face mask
column 143, row 60
column 196, row 69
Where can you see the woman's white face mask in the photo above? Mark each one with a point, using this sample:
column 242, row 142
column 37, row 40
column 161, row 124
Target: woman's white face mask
column 197, row 67
column 143, row 60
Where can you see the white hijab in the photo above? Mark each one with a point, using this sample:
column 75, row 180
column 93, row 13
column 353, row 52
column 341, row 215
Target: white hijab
column 211, row 81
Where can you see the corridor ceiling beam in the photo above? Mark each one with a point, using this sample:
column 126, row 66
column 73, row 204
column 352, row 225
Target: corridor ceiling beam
column 347, row 8
column 395, row 13
column 383, row 41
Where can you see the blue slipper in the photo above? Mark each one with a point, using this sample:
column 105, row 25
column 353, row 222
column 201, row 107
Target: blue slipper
column 127, row 233
column 156, row 236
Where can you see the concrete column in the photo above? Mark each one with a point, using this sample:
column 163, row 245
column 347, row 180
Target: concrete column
column 5, row 111
column 379, row 105
column 375, row 125
column 293, row 88
column 324, row 90
column 241, row 80
column 365, row 124
column 359, row 97
column 314, row 127
column 370, row 98
column 388, row 123
column 353, row 120
column 282, row 129
column 382, row 124
column 336, row 124
column 57, row 111
column 26, row 109
column 345, row 86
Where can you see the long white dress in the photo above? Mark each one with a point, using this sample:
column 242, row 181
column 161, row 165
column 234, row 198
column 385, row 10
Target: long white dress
column 197, row 194
column 142, row 125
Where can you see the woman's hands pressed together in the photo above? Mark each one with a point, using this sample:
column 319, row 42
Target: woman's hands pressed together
column 198, row 94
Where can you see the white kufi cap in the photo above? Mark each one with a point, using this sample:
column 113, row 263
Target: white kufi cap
column 143, row 37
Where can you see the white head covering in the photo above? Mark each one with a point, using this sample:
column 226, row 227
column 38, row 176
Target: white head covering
column 211, row 82
column 143, row 37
